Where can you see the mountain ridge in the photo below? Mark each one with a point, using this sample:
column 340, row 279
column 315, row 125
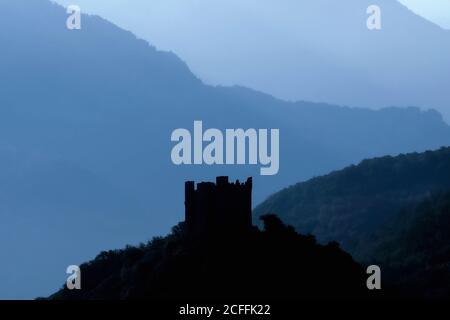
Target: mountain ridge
column 328, row 53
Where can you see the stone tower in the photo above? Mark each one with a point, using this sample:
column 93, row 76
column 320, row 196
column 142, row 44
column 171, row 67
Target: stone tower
column 219, row 207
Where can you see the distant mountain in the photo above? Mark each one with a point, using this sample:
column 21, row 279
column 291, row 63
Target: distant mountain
column 301, row 50
column 353, row 204
column 85, row 123
column 275, row 264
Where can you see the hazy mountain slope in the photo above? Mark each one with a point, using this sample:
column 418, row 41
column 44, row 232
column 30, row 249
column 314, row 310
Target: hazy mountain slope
column 352, row 204
column 300, row 49
column 85, row 124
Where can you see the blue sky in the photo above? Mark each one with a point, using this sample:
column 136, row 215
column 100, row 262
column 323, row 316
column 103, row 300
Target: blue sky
column 437, row 11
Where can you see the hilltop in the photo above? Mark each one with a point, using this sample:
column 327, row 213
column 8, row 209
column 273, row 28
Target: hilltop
column 276, row 264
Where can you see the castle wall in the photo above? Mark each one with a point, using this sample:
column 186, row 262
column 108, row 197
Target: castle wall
column 222, row 206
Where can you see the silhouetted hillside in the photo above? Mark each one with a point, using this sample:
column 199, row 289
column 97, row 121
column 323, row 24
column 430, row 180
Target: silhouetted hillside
column 390, row 211
column 414, row 249
column 276, row 263
column 351, row 204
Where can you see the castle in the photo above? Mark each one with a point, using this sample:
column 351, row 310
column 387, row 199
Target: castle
column 219, row 207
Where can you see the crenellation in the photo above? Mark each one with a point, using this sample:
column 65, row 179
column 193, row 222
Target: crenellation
column 220, row 206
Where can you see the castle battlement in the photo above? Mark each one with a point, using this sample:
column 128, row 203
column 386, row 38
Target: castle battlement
column 220, row 206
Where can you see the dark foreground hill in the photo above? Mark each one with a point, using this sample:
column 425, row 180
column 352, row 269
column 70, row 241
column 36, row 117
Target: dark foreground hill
column 392, row 211
column 276, row 263
column 414, row 249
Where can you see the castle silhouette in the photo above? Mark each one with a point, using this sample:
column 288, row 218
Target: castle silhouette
column 219, row 207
